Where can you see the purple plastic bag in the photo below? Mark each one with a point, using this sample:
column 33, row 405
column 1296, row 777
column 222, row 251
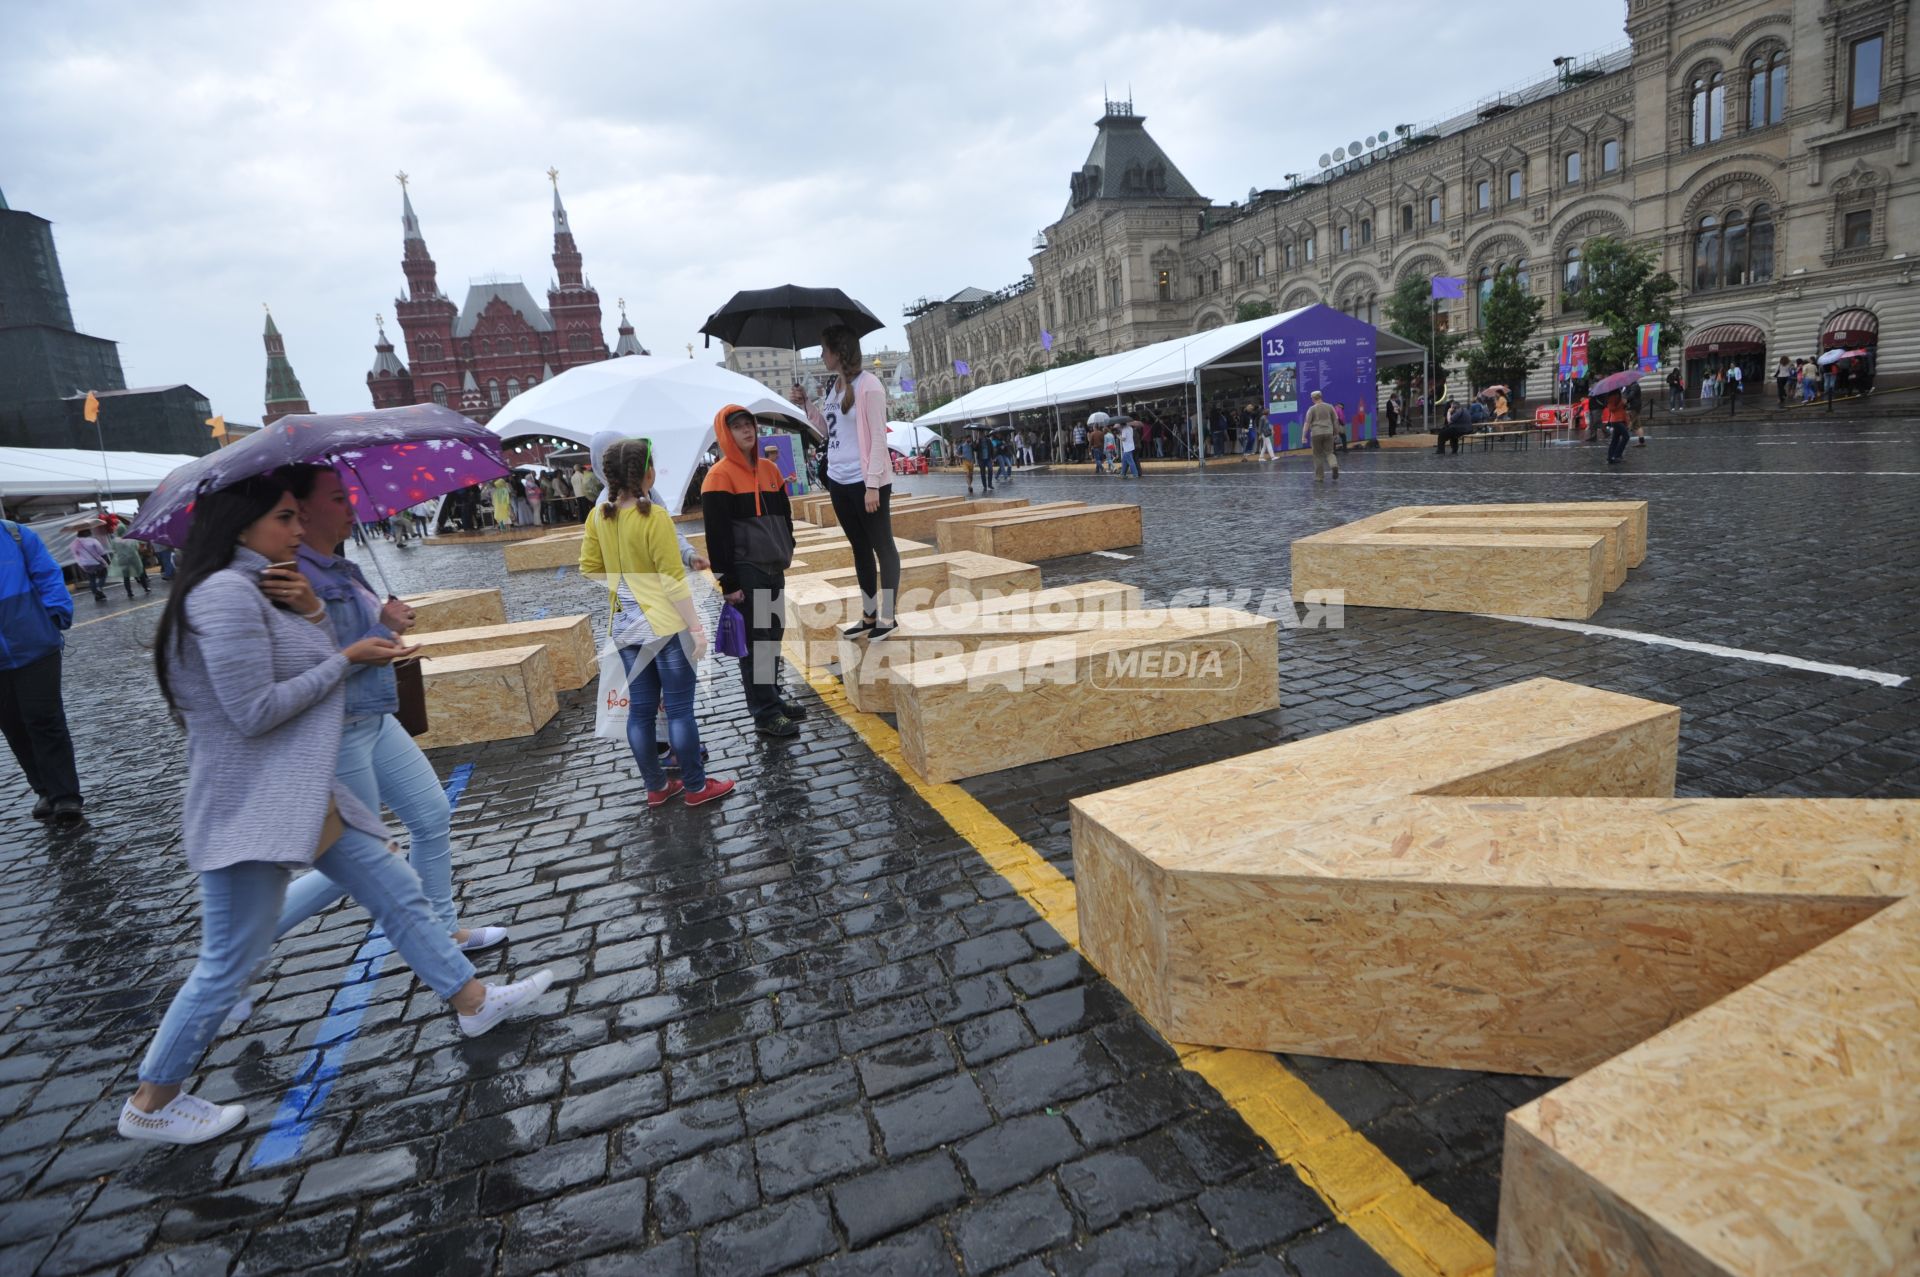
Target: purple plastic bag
column 730, row 636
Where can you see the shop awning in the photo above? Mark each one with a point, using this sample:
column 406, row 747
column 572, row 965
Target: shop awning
column 1726, row 339
column 1851, row 328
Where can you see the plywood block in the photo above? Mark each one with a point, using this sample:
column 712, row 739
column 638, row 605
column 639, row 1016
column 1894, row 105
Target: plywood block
column 870, row 670
column 568, row 640
column 956, row 532
column 1056, row 534
column 1615, row 528
column 922, row 522
column 998, row 707
column 455, row 610
column 821, row 604
column 1550, row 576
column 483, row 696
column 1776, row 1131
column 561, row 550
column 837, row 555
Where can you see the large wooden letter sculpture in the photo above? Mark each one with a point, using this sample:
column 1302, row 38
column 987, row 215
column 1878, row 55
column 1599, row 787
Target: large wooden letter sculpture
column 1506, row 882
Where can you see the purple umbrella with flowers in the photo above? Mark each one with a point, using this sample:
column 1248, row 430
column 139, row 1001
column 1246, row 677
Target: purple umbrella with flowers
column 388, row 459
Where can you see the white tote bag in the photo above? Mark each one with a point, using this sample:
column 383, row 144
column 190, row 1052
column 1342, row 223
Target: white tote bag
column 610, row 712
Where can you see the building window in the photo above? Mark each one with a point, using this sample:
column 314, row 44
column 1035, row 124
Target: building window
column 1516, row 184
column 1706, row 254
column 1483, row 194
column 1309, row 243
column 1858, row 229
column 1288, row 251
column 439, row 393
column 1164, row 282
column 1570, row 276
column 1346, row 239
column 1216, row 281
column 1406, row 217
column 493, row 392
column 1760, row 244
column 1485, row 286
column 1520, row 274
column 1435, row 206
column 1863, row 80
column 1366, row 230
column 1260, row 264
column 513, row 387
column 1610, row 157
column 1707, row 109
column 1767, row 91
column 1734, row 249
column 1573, row 168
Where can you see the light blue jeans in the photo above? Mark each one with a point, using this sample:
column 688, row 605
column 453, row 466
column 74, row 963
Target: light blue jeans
column 380, row 763
column 238, row 908
column 661, row 671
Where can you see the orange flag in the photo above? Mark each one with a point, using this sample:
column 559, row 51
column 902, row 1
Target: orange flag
column 219, row 425
column 92, row 410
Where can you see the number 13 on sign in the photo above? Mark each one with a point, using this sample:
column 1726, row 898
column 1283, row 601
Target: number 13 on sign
column 1276, row 348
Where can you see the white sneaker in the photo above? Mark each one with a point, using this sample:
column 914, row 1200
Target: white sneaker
column 503, row 1000
column 479, row 938
column 185, row 1119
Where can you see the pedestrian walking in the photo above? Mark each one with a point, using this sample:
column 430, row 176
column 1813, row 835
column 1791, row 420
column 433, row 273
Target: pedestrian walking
column 90, row 557
column 853, row 416
column 1129, row 463
column 1676, row 391
column 1636, row 419
column 502, row 497
column 246, row 660
column 128, row 564
column 1614, row 417
column 376, row 759
column 1079, row 444
column 536, row 501
column 35, row 608
column 1783, row 380
column 749, row 522
column 1322, row 426
column 983, row 457
column 1736, row 382
column 631, row 547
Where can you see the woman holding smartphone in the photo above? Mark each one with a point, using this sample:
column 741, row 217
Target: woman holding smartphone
column 853, row 416
column 246, row 659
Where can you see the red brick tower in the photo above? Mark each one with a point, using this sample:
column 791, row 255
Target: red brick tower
column 572, row 302
column 426, row 317
column 388, row 379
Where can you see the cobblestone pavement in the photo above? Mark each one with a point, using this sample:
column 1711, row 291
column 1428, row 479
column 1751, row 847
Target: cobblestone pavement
column 810, row 1029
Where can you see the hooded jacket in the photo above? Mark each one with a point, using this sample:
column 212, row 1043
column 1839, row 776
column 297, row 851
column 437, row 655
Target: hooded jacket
column 744, row 504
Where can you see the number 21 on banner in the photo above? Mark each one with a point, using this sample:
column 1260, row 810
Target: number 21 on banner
column 1276, row 348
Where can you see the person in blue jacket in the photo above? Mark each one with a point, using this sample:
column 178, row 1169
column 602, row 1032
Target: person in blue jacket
column 34, row 608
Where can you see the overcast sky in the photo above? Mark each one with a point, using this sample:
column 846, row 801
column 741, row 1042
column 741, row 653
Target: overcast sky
column 200, row 159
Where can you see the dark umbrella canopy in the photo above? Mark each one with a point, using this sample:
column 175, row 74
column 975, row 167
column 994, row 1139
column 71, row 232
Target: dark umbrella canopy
column 789, row 317
column 388, row 460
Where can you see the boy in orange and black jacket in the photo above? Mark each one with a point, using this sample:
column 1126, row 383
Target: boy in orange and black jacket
column 750, row 544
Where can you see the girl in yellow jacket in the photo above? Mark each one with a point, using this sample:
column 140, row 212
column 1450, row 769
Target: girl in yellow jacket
column 630, row 545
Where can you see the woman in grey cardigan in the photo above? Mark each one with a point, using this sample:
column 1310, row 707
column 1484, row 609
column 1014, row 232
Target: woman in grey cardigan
column 247, row 660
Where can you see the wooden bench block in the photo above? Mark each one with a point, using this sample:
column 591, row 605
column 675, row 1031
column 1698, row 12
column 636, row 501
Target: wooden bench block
column 922, row 523
column 455, row 610
column 1777, row 1131
column 999, row 707
column 821, row 604
column 1552, row 576
column 955, row 531
column 568, row 640
column 837, row 555
column 869, row 670
column 1057, row 534
column 1635, row 512
column 561, row 550
column 1615, row 528
column 482, row 696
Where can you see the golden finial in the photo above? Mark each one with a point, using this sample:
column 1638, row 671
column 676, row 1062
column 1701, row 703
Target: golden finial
column 553, row 175
column 401, row 177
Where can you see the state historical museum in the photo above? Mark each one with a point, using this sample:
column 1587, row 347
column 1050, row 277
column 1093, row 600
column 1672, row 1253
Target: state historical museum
column 500, row 342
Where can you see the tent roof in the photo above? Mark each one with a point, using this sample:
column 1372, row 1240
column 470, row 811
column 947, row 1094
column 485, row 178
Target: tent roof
column 76, row 472
column 1155, row 367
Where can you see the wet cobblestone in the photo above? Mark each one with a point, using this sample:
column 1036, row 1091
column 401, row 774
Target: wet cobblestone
column 809, row 1029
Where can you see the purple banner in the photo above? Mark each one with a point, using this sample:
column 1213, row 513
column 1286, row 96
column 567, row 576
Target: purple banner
column 1324, row 350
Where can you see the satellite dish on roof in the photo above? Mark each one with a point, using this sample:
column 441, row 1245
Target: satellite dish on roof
column 1339, row 153
column 1353, row 148
column 1383, row 136
column 1370, row 142
column 1325, row 159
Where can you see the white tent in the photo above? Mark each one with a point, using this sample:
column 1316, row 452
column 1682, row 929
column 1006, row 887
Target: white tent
column 669, row 401
column 905, row 436
column 30, row 475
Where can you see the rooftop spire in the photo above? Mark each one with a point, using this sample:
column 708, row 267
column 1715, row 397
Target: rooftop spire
column 284, row 395
column 560, row 226
column 384, row 361
column 408, row 222
column 629, row 344
column 271, row 330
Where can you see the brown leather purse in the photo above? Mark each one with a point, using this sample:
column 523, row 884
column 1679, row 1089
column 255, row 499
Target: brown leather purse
column 412, row 686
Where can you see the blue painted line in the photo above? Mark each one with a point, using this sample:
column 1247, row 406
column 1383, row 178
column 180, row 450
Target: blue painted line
column 301, row 1105
column 540, row 614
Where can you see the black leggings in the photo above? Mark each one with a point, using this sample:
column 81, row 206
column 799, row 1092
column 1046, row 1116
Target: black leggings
column 871, row 536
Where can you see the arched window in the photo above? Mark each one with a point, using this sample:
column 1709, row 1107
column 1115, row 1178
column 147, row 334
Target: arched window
column 1259, row 265
column 1373, row 309
column 485, row 349
column 1289, row 254
column 1760, row 244
column 1707, row 109
column 1520, row 275
column 1706, row 253
column 493, row 392
column 1406, row 217
column 1767, row 90
column 1483, row 194
column 1734, row 241
column 1485, row 287
column 1570, row 276
column 1573, row 168
column 1346, row 239
column 439, row 393
column 1366, row 230
column 1516, row 184
column 513, row 387
column 1308, row 242
column 1610, row 156
column 1435, row 206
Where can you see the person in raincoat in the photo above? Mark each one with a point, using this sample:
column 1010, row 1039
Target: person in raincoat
column 128, row 564
column 502, row 503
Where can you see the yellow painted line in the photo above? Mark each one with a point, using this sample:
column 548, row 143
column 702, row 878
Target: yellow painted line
column 1415, row 1232
column 114, row 616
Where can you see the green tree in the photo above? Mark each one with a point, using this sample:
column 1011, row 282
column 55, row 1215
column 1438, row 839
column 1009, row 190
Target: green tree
column 1621, row 288
column 1253, row 310
column 1062, row 358
column 1509, row 320
column 1409, row 314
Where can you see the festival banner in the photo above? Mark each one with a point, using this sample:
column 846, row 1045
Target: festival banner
column 1649, row 347
column 1319, row 349
column 1573, row 354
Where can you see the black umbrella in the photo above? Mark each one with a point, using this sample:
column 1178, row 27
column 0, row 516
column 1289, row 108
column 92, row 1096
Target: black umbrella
column 788, row 317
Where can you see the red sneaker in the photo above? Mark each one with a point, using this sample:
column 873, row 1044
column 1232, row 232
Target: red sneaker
column 709, row 792
column 655, row 797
